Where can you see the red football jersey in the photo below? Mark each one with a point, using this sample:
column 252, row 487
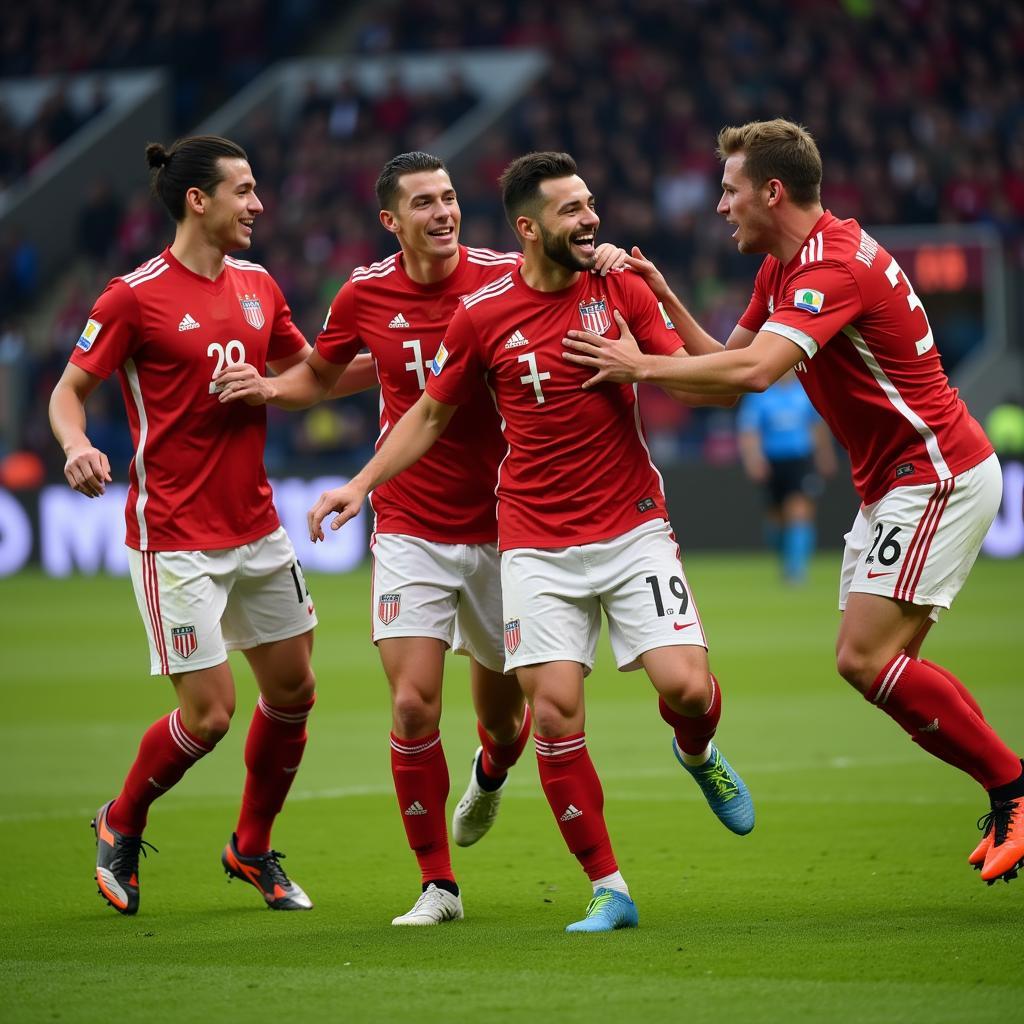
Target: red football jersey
column 872, row 369
column 578, row 469
column 448, row 495
column 197, row 480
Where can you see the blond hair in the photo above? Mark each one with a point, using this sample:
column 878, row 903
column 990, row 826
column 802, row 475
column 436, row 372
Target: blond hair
column 776, row 149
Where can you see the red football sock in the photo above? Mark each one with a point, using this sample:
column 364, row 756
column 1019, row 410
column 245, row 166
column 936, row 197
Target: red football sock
column 694, row 734
column 965, row 695
column 497, row 758
column 421, row 784
column 931, row 711
column 166, row 752
column 574, row 793
column 273, row 752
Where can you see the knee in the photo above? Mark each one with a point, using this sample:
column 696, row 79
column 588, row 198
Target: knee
column 690, row 694
column 857, row 667
column 415, row 715
column 299, row 689
column 209, row 725
column 554, row 718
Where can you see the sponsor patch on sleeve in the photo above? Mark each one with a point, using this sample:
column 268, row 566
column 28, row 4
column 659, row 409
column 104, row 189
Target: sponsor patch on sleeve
column 89, row 335
column 439, row 360
column 809, row 299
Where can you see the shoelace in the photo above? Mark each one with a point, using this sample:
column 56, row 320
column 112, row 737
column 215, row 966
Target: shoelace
column 725, row 787
column 595, row 905
column 482, row 800
column 126, row 855
column 271, row 862
column 427, row 898
column 999, row 819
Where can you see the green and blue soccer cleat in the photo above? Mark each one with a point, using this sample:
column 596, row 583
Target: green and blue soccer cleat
column 725, row 791
column 607, row 911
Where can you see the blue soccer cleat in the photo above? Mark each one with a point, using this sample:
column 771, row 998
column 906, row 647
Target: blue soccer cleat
column 607, row 911
column 725, row 791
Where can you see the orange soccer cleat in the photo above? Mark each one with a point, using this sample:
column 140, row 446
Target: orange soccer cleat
column 266, row 874
column 1006, row 852
column 117, row 863
column 980, row 852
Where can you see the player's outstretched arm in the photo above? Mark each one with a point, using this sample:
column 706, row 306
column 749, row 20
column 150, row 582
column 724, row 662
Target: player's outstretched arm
column 694, row 337
column 609, row 257
column 299, row 381
column 410, row 438
column 734, row 371
column 359, row 375
column 87, row 469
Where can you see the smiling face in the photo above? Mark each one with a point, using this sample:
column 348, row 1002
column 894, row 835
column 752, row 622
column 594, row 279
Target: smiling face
column 231, row 209
column 426, row 216
column 746, row 207
column 567, row 223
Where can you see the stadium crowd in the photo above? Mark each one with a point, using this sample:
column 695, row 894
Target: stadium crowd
column 918, row 108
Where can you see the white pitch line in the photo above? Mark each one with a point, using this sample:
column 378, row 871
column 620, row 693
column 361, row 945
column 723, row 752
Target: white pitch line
column 610, row 779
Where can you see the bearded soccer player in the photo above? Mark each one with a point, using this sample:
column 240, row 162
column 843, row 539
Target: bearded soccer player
column 213, row 569
column 582, row 522
column 831, row 302
column 436, row 582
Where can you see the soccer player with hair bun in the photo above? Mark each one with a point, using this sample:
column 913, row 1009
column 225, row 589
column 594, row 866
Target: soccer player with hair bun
column 831, row 303
column 212, row 568
column 582, row 524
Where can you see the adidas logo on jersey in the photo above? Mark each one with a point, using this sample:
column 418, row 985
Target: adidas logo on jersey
column 399, row 321
column 415, row 808
column 188, row 323
column 516, row 340
column 572, row 811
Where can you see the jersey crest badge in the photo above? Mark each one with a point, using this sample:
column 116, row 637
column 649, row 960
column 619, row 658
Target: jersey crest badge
column 252, row 311
column 594, row 315
column 809, row 299
column 388, row 607
column 439, row 360
column 92, row 329
column 512, row 635
column 184, row 640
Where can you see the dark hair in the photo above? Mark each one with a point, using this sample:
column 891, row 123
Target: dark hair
column 189, row 163
column 520, row 182
column 776, row 149
column 405, row 163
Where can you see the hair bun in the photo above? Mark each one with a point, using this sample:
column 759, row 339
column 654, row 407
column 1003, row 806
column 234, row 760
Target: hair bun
column 156, row 155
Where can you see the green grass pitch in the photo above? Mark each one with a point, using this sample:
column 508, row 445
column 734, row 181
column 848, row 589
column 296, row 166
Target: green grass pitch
column 851, row 900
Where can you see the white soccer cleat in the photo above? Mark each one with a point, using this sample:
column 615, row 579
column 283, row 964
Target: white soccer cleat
column 435, row 906
column 475, row 813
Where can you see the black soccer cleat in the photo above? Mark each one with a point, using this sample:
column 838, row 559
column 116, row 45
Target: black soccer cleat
column 267, row 875
column 117, row 863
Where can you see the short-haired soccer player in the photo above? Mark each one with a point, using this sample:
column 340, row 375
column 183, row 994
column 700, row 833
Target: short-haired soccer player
column 436, row 580
column 830, row 302
column 582, row 523
column 212, row 568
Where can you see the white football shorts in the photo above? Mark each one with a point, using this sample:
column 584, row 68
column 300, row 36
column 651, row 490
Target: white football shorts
column 448, row 591
column 918, row 544
column 553, row 599
column 198, row 605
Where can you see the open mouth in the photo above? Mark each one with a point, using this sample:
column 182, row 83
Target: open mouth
column 442, row 233
column 247, row 223
column 584, row 241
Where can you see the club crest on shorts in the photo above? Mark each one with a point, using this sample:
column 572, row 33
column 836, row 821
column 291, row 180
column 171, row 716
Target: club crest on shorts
column 184, row 640
column 512, row 635
column 388, row 607
column 595, row 316
column 252, row 311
